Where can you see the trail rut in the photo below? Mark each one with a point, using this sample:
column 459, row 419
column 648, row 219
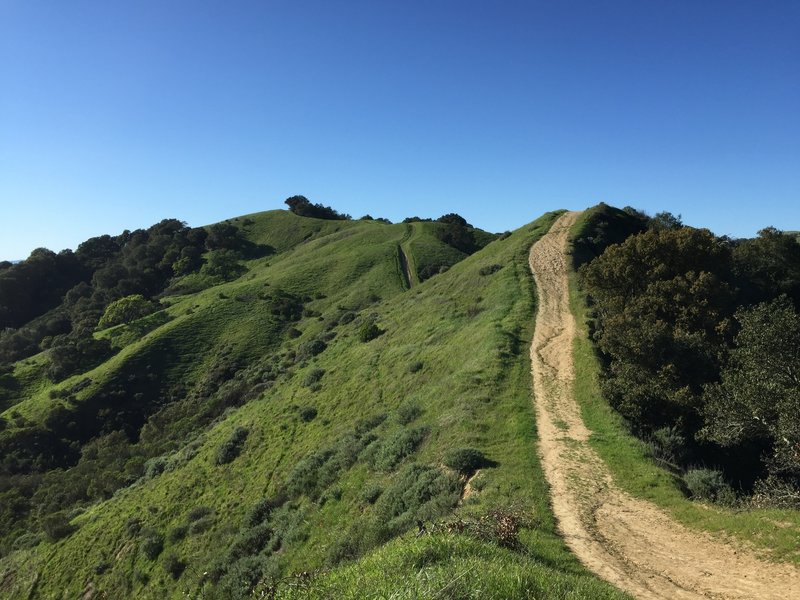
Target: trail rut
column 629, row 542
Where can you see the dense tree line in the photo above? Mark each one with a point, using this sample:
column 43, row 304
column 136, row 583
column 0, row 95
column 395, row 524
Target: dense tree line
column 55, row 301
column 700, row 341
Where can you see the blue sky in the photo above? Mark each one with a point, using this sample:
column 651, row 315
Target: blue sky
column 114, row 115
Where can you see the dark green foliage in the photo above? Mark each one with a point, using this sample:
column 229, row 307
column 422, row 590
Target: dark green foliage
column 71, row 354
column 262, row 510
column 489, row 269
column 250, row 541
column 388, row 453
column 690, row 363
column 301, row 206
column 604, row 226
column 407, row 412
column 369, row 330
column 177, row 533
column 198, row 512
column 465, row 460
column 758, row 398
column 223, row 264
column 419, row 492
column 57, row 525
column 232, row 447
column 371, row 493
column 313, row 376
column 152, row 544
column 174, row 566
column 311, row 348
column 307, row 413
column 415, row 367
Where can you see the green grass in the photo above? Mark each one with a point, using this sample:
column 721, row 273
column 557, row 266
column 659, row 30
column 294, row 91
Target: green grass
column 773, row 532
column 470, row 333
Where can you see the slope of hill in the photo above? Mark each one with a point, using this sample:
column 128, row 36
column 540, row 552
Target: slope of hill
column 302, row 430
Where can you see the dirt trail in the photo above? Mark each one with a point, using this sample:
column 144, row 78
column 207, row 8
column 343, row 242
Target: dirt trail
column 628, row 542
column 405, row 268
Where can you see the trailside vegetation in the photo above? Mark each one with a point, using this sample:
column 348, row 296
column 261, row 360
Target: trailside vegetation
column 700, row 347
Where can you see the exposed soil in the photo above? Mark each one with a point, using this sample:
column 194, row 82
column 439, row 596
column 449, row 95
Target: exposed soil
column 627, row 541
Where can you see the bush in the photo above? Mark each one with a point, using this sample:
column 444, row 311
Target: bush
column 415, row 367
column 312, row 348
column 397, row 447
column 126, row 310
column 152, row 544
column 369, row 331
column 178, row 532
column 174, row 566
column 307, row 413
column 668, row 444
column 261, row 511
column 371, row 493
column 464, row 460
column 250, row 542
column 708, row 484
column 313, row 376
column 57, row 526
column 489, row 269
column 232, row 447
column 198, row 512
column 408, row 412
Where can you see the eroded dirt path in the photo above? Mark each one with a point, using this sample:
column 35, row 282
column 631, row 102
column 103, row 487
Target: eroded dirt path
column 628, row 542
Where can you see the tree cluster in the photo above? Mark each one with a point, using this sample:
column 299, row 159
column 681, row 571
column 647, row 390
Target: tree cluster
column 302, row 207
column 700, row 341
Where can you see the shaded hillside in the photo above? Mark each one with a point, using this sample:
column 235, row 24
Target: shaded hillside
column 292, row 420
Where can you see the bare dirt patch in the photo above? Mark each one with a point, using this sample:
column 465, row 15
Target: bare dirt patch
column 626, row 541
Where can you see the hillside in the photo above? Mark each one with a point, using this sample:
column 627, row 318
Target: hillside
column 349, row 414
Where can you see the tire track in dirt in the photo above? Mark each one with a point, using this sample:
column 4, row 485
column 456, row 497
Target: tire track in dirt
column 627, row 541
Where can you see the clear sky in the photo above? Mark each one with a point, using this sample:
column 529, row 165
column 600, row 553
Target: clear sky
column 116, row 114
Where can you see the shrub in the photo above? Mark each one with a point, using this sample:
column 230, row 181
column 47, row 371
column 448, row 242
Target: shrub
column 415, row 367
column 261, row 511
column 57, row 526
column 201, row 525
column 174, row 566
column 369, row 331
column 250, row 542
column 347, row 317
column 397, row 447
column 232, row 447
column 312, row 348
column 126, row 310
column 408, row 412
column 489, row 269
column 155, row 466
column 419, row 492
column 708, row 484
column 307, row 413
column 178, row 532
column 152, row 544
column 668, row 444
column 371, row 493
column 313, row 376
column 464, row 460
column 198, row 512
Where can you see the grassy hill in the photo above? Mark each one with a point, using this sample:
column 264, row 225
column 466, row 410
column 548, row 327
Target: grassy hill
column 319, row 427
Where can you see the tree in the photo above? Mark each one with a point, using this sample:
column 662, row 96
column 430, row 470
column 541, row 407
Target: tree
column 757, row 398
column 126, row 310
column 302, row 207
column 223, row 264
